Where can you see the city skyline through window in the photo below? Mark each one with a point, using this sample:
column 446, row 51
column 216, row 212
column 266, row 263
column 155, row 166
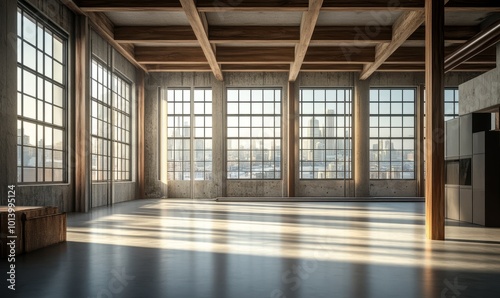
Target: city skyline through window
column 254, row 133
column 41, row 101
column 392, row 133
column 325, row 146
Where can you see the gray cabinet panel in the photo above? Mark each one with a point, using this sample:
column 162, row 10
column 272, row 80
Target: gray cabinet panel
column 478, row 142
column 466, row 135
column 452, row 144
column 478, row 171
column 478, row 207
column 452, row 194
column 466, row 204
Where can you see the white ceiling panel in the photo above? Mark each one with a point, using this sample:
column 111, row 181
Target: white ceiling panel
column 357, row 18
column 254, row 18
column 148, row 18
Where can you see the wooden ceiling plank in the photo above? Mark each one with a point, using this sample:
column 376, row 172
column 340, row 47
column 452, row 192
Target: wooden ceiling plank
column 201, row 34
column 156, row 34
column 170, row 55
column 248, row 34
column 276, row 34
column 179, row 68
column 246, row 55
column 307, row 25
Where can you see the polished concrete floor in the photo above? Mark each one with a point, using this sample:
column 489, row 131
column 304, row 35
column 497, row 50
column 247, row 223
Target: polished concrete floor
column 175, row 248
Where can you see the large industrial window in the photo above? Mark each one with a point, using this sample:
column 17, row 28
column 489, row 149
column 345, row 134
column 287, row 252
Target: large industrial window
column 183, row 110
column 450, row 103
column 253, row 133
column 41, row 100
column 392, row 133
column 110, row 124
column 325, row 133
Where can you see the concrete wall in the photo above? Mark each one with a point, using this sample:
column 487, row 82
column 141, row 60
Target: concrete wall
column 104, row 193
column 157, row 186
column 59, row 194
column 482, row 92
column 8, row 99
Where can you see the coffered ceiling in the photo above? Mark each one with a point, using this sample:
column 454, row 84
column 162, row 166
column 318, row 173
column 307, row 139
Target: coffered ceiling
column 283, row 36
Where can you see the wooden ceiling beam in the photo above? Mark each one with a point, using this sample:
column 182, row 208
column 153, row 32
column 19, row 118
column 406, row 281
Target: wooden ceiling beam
column 256, row 67
column 332, row 68
column 309, row 67
column 403, row 28
column 264, row 55
column 276, row 34
column 200, row 31
column 154, row 34
column 249, row 34
column 307, row 25
column 247, row 55
column 344, row 55
column 179, row 68
column 170, row 55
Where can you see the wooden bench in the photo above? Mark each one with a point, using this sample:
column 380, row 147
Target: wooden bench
column 36, row 227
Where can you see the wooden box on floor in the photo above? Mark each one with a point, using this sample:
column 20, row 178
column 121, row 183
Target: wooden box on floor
column 35, row 227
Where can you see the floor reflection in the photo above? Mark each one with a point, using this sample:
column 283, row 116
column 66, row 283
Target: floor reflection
column 176, row 248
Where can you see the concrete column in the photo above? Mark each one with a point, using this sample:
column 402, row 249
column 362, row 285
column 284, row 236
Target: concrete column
column 498, row 55
column 8, row 97
column 362, row 138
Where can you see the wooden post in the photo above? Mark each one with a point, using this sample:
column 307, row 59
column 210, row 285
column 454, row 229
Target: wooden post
column 434, row 78
column 420, row 141
column 82, row 148
column 292, row 138
column 140, row 134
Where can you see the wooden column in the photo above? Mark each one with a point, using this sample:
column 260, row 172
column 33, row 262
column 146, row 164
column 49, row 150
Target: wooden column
column 420, row 141
column 82, row 148
column 292, row 139
column 434, row 88
column 140, row 134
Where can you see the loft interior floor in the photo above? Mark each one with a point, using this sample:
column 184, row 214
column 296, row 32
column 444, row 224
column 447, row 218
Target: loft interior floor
column 182, row 248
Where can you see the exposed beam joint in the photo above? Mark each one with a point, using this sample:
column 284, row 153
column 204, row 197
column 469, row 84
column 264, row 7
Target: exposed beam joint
column 307, row 25
column 201, row 34
column 101, row 23
column 402, row 29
